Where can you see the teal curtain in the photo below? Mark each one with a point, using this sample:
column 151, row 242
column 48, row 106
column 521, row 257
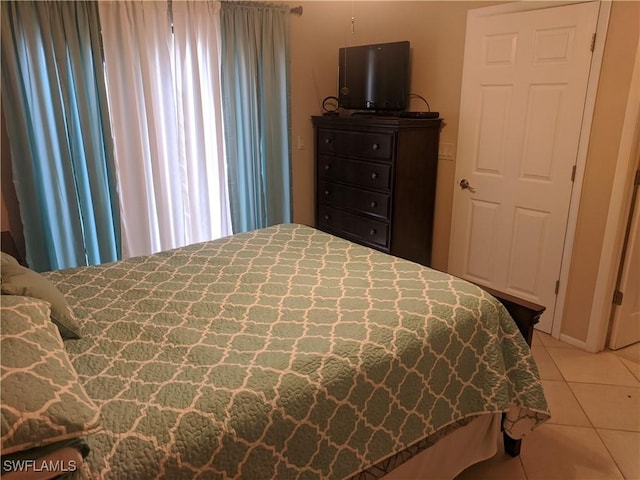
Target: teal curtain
column 55, row 104
column 255, row 91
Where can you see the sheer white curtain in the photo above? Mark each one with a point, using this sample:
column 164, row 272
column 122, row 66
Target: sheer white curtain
column 165, row 105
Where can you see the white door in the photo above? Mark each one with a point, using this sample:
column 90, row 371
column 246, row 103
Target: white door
column 523, row 91
column 625, row 328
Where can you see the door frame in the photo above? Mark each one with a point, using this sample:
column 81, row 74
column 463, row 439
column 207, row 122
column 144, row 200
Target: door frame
column 617, row 215
column 583, row 146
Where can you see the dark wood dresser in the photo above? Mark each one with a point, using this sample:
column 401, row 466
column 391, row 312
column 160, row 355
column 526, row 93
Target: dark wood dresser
column 376, row 181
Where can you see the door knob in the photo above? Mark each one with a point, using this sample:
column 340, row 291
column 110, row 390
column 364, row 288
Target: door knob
column 464, row 184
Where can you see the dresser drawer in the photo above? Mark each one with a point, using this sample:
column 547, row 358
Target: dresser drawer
column 354, row 227
column 365, row 201
column 350, row 143
column 355, row 172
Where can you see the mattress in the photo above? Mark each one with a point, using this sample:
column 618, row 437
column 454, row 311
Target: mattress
column 286, row 353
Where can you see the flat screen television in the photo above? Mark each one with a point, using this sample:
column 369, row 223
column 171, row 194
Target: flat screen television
column 374, row 77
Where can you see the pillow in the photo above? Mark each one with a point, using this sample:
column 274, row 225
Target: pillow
column 42, row 400
column 8, row 259
column 19, row 280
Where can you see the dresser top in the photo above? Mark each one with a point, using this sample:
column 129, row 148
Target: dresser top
column 372, row 120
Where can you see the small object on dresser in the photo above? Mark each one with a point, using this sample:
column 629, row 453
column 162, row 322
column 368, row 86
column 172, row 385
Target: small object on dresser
column 330, row 106
column 419, row 114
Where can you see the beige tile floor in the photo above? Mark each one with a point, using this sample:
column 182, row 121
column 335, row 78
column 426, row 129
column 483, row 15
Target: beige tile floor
column 594, row 432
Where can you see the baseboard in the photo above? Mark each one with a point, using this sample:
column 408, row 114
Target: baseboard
column 574, row 342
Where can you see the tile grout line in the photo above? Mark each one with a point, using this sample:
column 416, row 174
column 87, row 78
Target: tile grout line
column 584, row 412
column 591, row 426
column 625, row 368
column 625, row 363
column 610, row 453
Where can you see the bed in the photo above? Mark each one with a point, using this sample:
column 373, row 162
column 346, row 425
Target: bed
column 284, row 353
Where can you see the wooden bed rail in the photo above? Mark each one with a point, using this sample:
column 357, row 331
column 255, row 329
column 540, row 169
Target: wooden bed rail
column 526, row 314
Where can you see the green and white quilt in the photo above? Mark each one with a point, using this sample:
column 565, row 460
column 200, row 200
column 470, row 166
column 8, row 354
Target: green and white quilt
column 285, row 353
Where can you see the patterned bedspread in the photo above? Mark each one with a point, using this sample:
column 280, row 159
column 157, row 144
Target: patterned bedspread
column 285, row 353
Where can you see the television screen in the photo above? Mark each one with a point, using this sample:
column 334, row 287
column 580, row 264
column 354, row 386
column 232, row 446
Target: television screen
column 374, row 77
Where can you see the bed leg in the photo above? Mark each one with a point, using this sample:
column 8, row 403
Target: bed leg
column 511, row 446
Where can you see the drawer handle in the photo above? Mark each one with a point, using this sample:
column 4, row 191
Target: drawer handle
column 327, row 217
column 374, row 204
column 375, row 147
column 327, row 167
column 373, row 231
column 326, row 193
column 328, row 140
column 374, row 175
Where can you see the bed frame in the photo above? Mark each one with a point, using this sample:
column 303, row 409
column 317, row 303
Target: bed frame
column 526, row 314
